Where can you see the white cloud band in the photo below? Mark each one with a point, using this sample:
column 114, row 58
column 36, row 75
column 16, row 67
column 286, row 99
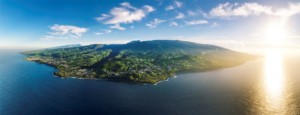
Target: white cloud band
column 252, row 9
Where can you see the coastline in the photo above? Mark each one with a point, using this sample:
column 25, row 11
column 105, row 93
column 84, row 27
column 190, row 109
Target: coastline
column 132, row 82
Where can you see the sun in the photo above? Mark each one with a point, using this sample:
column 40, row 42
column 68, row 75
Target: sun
column 275, row 33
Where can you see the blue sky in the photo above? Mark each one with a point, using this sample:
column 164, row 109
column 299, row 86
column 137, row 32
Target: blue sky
column 232, row 23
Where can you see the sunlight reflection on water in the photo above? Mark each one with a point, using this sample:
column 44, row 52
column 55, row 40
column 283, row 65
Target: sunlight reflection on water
column 274, row 80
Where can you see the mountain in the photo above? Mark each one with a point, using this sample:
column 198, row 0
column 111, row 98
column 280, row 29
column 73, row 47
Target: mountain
column 137, row 61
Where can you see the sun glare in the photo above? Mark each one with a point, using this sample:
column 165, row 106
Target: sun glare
column 275, row 33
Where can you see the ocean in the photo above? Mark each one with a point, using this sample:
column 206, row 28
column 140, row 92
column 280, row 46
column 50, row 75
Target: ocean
column 267, row 85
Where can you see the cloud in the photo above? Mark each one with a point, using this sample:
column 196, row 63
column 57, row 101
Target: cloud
column 103, row 17
column 198, row 12
column 196, row 22
column 103, row 32
column 107, row 31
column 127, row 5
column 148, row 8
column 65, row 31
column 215, row 24
column 226, row 10
column 293, row 9
column 170, row 8
column 154, row 23
column 117, row 26
column 191, row 13
column 99, row 33
column 51, row 37
column 125, row 14
column 180, row 16
column 176, row 4
column 246, row 9
column 173, row 24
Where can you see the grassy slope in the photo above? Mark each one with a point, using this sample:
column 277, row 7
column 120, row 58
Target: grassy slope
column 141, row 62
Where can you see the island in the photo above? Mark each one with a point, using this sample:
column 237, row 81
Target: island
column 136, row 61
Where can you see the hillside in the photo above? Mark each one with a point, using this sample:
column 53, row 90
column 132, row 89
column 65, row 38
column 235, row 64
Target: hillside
column 137, row 61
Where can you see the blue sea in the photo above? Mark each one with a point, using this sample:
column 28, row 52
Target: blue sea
column 266, row 85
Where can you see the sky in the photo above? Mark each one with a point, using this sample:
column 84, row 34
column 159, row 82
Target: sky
column 234, row 24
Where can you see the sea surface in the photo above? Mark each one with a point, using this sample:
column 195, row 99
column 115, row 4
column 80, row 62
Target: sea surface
column 269, row 85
